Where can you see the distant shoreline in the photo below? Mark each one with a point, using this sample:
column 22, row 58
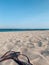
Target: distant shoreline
column 8, row 30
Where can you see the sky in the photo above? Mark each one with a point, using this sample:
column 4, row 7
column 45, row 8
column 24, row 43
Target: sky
column 24, row 13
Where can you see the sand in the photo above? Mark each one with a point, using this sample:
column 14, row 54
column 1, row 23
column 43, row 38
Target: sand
column 34, row 44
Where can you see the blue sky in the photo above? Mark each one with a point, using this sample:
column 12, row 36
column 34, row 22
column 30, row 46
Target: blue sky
column 24, row 13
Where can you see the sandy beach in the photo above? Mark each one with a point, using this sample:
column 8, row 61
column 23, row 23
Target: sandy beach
column 34, row 44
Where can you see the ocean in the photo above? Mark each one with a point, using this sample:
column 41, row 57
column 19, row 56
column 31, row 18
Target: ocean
column 15, row 30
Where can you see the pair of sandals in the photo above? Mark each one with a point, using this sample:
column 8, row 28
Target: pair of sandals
column 15, row 56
